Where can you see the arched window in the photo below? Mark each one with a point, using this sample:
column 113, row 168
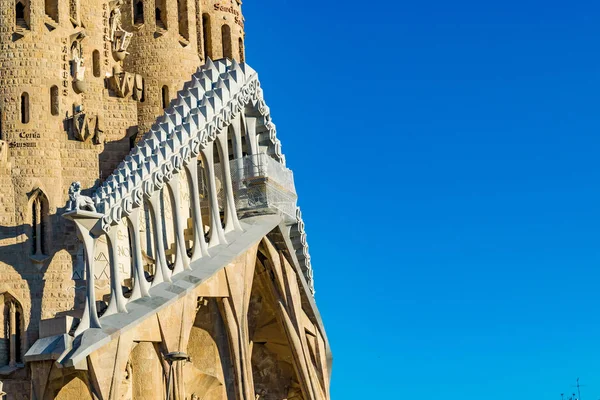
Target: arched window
column 51, row 8
column 241, row 49
column 226, row 40
column 54, row 101
column 138, row 12
column 165, row 96
column 21, row 15
column 96, row 63
column 11, row 340
column 160, row 12
column 182, row 14
column 39, row 217
column 206, row 29
column 25, row 108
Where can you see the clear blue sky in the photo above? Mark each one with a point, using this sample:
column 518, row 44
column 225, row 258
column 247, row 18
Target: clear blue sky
column 446, row 157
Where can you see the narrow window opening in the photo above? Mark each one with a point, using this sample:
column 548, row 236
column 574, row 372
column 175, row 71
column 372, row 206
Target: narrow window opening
column 12, row 332
column 138, row 12
column 165, row 96
column 226, row 40
column 51, row 9
column 54, row 102
column 241, row 49
column 160, row 12
column 206, row 29
column 21, row 18
column 25, row 108
column 96, row 63
column 182, row 14
column 39, row 214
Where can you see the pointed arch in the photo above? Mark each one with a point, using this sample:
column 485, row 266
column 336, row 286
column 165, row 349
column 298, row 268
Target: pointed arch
column 38, row 205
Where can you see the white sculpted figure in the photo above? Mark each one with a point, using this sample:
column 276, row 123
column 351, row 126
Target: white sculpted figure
column 78, row 62
column 77, row 201
column 118, row 36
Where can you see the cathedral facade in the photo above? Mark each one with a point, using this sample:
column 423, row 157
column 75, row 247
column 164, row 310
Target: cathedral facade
column 150, row 242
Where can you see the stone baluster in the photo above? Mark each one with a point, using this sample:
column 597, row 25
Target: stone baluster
column 231, row 220
column 200, row 245
column 217, row 235
column 252, row 145
column 140, row 284
column 163, row 273
column 117, row 301
column 238, row 151
column 182, row 260
column 87, row 224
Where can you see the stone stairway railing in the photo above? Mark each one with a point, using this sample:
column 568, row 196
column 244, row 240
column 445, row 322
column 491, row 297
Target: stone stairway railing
column 221, row 104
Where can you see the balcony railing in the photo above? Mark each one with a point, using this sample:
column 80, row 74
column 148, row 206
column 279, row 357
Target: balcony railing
column 261, row 186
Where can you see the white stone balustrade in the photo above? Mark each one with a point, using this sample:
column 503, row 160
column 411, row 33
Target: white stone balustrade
column 221, row 104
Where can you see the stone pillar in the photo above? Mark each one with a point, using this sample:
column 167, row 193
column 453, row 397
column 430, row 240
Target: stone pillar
column 37, row 208
column 200, row 245
column 13, row 333
column 217, row 235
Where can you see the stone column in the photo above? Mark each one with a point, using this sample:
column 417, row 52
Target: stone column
column 232, row 222
column 88, row 228
column 37, row 209
column 200, row 245
column 217, row 235
column 140, row 285
column 13, row 333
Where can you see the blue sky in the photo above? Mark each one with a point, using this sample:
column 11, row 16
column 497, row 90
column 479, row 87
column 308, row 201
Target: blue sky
column 446, row 159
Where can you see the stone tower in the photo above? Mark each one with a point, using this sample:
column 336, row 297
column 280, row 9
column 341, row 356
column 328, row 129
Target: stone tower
column 122, row 99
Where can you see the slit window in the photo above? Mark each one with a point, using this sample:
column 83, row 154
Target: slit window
column 21, row 15
column 51, row 9
column 206, row 29
column 226, row 40
column 25, row 108
column 138, row 12
column 241, row 49
column 160, row 12
column 182, row 14
column 165, row 96
column 39, row 213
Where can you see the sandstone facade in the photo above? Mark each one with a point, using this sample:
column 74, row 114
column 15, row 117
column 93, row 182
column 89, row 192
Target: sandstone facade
column 81, row 82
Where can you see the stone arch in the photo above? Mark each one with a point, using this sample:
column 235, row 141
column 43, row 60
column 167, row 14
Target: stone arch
column 74, row 386
column 207, row 373
column 12, row 339
column 277, row 363
column 147, row 376
column 39, row 223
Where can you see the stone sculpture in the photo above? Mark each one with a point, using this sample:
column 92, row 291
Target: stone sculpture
column 119, row 37
column 77, row 201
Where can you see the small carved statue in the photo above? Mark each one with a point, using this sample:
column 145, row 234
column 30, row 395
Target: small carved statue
column 77, row 201
column 125, row 84
column 77, row 59
column 119, row 37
